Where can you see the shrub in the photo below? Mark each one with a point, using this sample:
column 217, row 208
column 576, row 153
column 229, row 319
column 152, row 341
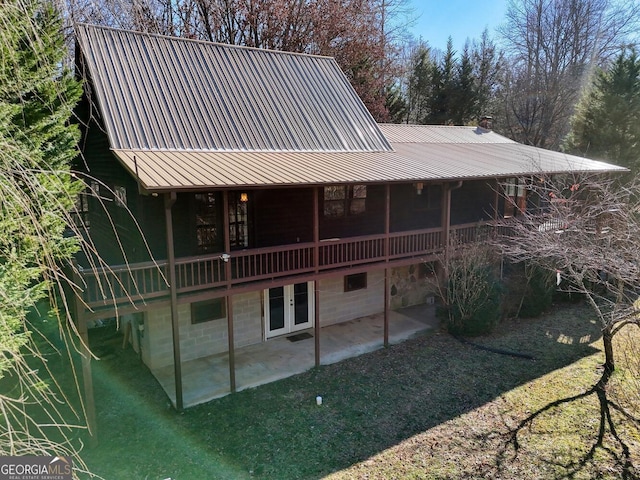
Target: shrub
column 472, row 299
column 530, row 290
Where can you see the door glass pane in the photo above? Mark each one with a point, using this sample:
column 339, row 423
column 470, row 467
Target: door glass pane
column 301, row 303
column 276, row 308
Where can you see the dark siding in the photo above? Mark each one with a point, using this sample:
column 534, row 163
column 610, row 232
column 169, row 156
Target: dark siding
column 473, row 202
column 410, row 211
column 146, row 213
column 282, row 216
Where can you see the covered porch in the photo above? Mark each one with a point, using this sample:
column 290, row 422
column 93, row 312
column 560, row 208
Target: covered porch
column 207, row 378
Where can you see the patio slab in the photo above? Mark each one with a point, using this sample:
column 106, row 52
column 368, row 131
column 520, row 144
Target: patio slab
column 207, row 378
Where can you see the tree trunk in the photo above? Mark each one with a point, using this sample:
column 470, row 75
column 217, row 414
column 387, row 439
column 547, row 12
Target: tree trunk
column 607, row 339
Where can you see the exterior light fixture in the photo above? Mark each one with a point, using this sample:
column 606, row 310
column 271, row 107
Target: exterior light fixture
column 244, row 197
column 419, row 187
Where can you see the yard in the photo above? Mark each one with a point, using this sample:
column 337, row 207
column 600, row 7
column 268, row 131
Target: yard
column 431, row 407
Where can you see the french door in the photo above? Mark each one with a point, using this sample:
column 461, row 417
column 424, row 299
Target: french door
column 288, row 309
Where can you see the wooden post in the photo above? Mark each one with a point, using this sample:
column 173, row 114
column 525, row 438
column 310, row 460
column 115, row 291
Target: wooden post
column 169, row 200
column 229, row 299
column 446, row 229
column 87, row 378
column 387, row 250
column 316, row 287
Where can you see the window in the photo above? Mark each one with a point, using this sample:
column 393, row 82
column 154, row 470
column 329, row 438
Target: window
column 515, row 197
column 208, row 310
column 80, row 213
column 206, row 208
column 357, row 281
column 344, row 200
column 238, row 220
column 120, row 196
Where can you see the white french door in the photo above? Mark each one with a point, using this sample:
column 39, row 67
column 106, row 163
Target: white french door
column 288, row 308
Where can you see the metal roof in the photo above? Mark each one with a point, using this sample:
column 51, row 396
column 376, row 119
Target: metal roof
column 403, row 133
column 190, row 115
column 158, row 92
column 180, row 170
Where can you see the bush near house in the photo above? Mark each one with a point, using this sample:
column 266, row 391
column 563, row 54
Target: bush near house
column 529, row 290
column 472, row 300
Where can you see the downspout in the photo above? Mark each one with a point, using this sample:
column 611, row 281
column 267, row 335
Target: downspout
column 169, row 201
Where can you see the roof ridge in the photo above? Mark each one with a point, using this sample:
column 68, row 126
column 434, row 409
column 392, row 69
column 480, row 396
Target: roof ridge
column 199, row 40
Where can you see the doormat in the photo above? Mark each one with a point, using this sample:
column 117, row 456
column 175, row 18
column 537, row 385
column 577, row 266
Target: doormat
column 299, row 336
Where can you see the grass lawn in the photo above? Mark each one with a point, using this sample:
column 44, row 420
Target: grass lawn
column 431, row 407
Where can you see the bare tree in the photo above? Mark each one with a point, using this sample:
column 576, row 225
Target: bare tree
column 587, row 229
column 552, row 47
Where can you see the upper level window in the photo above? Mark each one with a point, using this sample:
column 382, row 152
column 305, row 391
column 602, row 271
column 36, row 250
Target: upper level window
column 80, row 213
column 120, row 196
column 344, row 200
column 515, row 197
column 206, row 209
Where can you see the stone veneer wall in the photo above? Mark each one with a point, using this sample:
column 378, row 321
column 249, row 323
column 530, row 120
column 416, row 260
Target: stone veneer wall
column 201, row 339
column 338, row 306
column 409, row 286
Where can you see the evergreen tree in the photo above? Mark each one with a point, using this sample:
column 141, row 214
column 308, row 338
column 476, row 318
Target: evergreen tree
column 444, row 88
column 607, row 121
column 396, row 104
column 37, row 192
column 420, row 86
column 487, row 68
column 464, row 104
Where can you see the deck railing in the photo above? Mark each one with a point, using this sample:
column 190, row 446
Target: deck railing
column 144, row 281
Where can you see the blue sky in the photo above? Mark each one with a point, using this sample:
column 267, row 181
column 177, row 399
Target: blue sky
column 460, row 19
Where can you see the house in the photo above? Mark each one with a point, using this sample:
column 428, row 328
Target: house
column 247, row 195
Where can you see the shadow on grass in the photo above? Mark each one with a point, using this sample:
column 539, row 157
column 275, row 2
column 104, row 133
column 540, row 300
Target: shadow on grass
column 370, row 403
column 619, row 451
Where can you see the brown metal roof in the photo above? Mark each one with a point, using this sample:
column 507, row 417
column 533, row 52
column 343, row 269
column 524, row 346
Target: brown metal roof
column 403, row 133
column 158, row 92
column 184, row 115
column 180, row 170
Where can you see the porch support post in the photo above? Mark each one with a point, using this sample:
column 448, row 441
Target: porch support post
column 387, row 250
column 87, row 377
column 169, row 200
column 316, row 263
column 229, row 299
column 446, row 228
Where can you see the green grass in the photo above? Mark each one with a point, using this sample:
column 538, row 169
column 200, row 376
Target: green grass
column 431, row 407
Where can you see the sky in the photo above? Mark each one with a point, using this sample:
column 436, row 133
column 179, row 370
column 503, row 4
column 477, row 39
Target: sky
column 460, row 19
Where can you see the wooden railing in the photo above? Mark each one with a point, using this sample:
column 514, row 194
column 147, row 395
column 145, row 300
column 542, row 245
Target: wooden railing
column 145, row 281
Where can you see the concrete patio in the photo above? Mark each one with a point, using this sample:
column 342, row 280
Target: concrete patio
column 207, row 378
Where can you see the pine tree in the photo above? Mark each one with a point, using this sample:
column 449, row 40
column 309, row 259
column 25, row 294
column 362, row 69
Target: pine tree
column 607, row 121
column 464, row 100
column 420, row 86
column 444, row 88
column 37, row 192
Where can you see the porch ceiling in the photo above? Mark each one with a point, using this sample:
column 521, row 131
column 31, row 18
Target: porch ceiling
column 159, row 170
